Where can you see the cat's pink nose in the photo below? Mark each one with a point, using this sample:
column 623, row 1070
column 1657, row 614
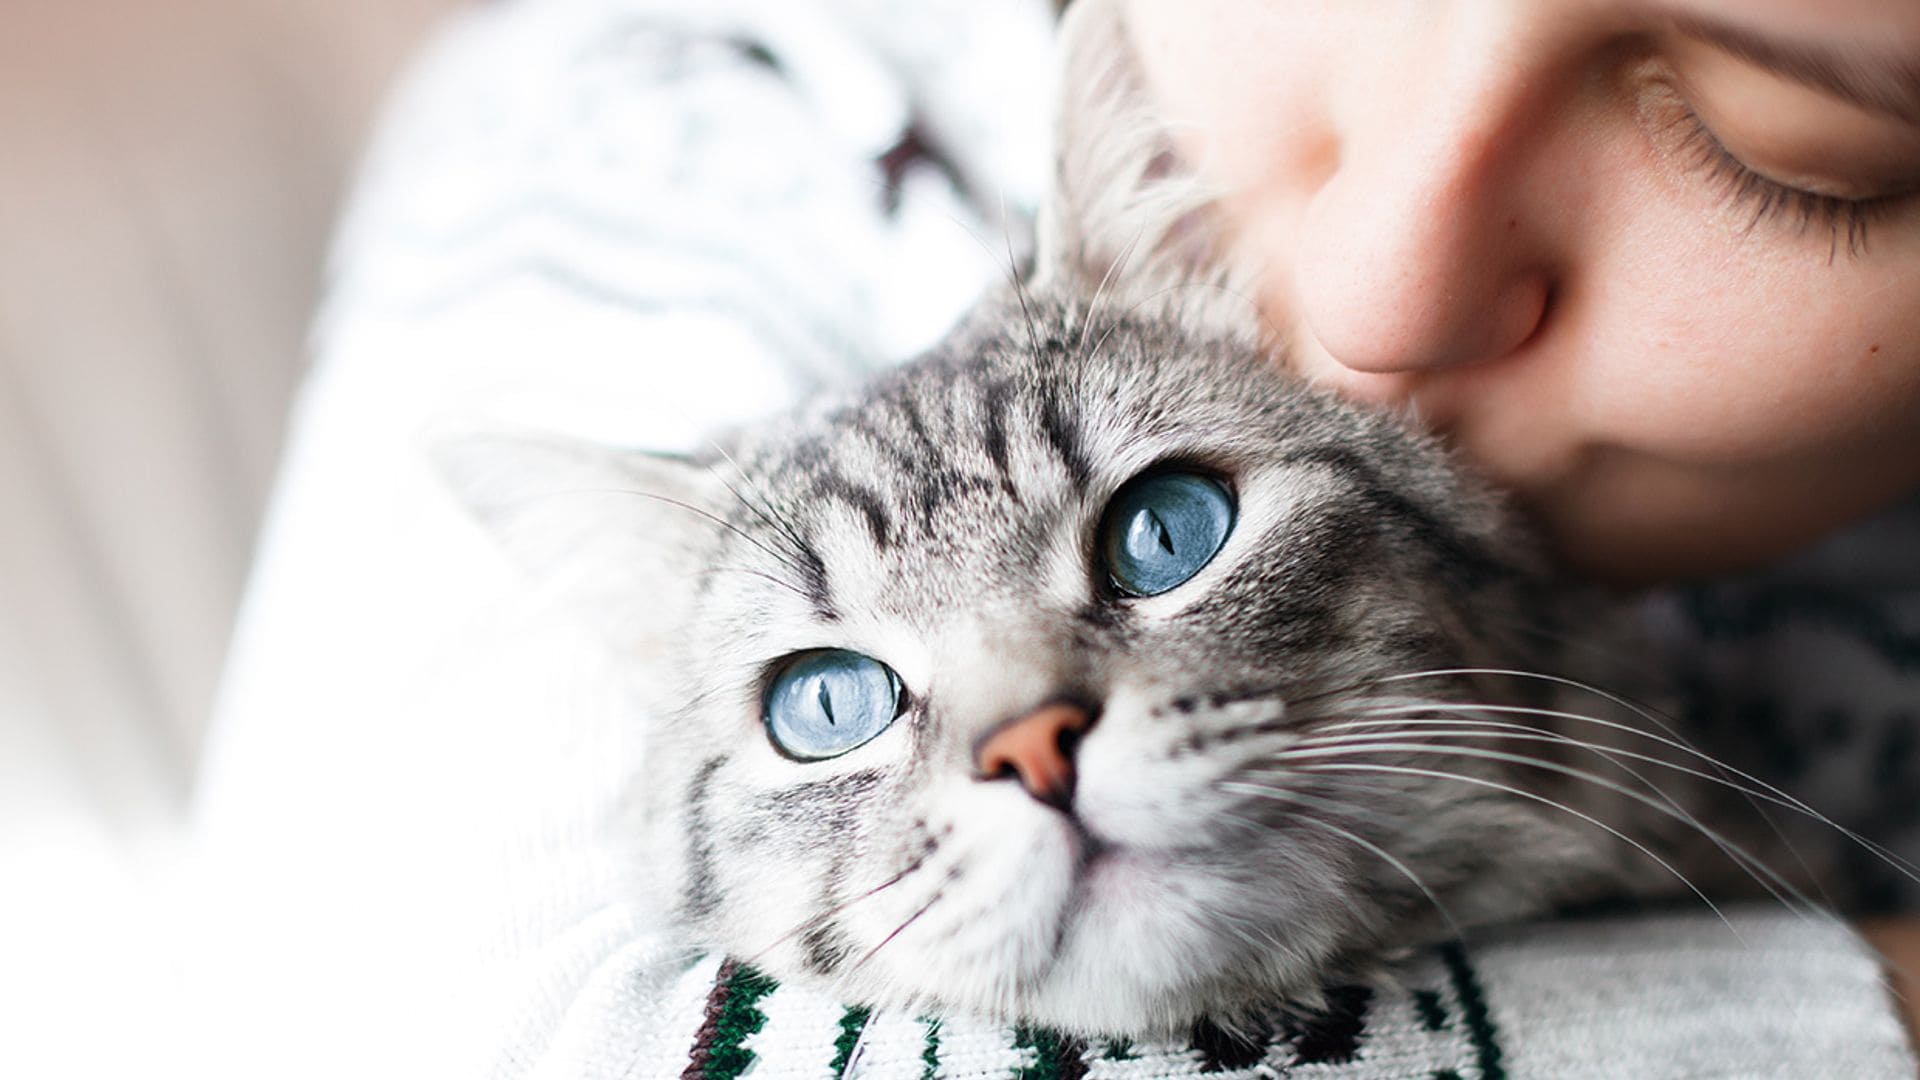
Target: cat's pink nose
column 1037, row 748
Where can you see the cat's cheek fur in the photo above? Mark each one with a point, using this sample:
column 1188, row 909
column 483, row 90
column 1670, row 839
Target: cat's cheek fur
column 994, row 909
column 1147, row 780
column 969, row 910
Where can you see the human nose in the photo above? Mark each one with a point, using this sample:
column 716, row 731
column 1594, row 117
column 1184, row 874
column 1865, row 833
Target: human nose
column 1425, row 246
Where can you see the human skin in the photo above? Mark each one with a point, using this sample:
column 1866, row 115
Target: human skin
column 1899, row 941
column 1653, row 265
column 1521, row 218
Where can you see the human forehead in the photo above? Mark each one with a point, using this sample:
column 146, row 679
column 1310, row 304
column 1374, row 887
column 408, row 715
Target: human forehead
column 1208, row 60
column 1888, row 23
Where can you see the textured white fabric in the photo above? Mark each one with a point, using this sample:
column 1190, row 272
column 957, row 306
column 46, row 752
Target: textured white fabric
column 633, row 221
column 1763, row 994
column 1773, row 995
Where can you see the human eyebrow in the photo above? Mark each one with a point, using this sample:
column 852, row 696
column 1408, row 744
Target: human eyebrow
column 1882, row 82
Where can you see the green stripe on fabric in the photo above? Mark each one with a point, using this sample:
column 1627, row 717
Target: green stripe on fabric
column 853, row 1022
column 930, row 1054
column 1055, row 1056
column 739, row 1017
column 709, row 1017
column 1473, row 1004
column 1026, row 1038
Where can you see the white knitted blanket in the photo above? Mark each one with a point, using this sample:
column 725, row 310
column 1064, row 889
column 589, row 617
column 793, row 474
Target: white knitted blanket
column 1641, row 997
column 634, row 220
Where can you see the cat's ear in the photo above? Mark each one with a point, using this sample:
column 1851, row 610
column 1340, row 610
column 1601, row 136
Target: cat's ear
column 1124, row 209
column 616, row 536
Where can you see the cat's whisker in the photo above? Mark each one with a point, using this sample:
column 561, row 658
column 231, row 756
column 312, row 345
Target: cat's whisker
column 1104, row 335
column 1673, row 807
column 1741, row 781
column 1637, row 708
column 1106, row 279
column 819, row 918
column 729, row 526
column 896, row 932
column 859, row 1047
column 1020, row 294
column 1436, row 774
column 1399, row 743
column 1373, row 681
column 1086, row 325
column 1746, row 860
column 1254, row 935
column 1436, row 727
column 1319, row 698
column 1373, row 815
column 1414, row 717
column 762, row 509
column 770, row 579
column 1653, row 717
column 1673, row 739
column 1279, row 794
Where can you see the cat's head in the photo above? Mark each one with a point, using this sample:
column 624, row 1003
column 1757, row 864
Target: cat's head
column 1063, row 674
column 1024, row 680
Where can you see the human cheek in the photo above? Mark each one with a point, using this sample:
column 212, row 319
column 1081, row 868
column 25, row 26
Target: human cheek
column 1715, row 341
column 1778, row 381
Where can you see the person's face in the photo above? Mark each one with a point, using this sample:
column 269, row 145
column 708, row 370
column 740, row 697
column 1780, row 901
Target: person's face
column 1654, row 265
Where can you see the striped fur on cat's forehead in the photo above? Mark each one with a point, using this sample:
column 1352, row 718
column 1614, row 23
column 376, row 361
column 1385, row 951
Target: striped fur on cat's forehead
column 959, row 476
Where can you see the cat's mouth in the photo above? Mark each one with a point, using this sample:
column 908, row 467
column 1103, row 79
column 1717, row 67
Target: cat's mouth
column 1135, row 924
column 1112, row 872
column 1106, row 872
column 1111, row 867
column 1108, row 867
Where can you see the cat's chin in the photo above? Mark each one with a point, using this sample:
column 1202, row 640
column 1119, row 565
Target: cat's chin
column 1146, row 944
column 1152, row 947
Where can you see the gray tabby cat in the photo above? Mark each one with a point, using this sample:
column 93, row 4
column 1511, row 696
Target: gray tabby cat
column 1088, row 671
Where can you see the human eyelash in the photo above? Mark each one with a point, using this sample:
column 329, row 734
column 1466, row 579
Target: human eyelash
column 1771, row 200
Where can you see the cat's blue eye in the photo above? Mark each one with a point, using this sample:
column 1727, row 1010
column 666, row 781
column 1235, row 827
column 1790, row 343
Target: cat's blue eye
column 825, row 703
column 1163, row 527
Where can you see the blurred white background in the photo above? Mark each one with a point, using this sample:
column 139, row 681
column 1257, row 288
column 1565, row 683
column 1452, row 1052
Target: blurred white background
column 168, row 173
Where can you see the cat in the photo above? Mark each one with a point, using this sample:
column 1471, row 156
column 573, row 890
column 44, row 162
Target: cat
column 1090, row 671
